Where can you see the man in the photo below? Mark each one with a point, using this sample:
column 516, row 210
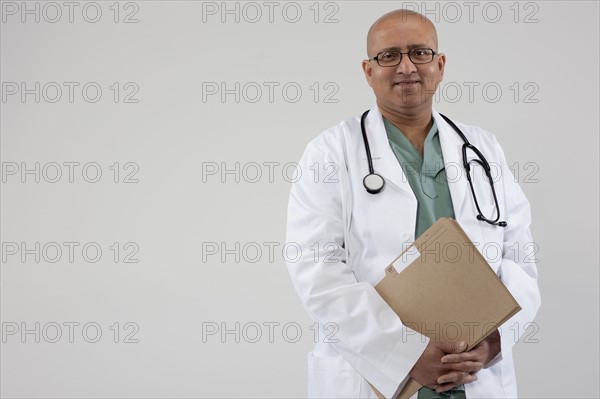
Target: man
column 348, row 236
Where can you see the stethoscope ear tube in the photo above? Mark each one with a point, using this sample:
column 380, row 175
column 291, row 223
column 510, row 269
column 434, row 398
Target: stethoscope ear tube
column 486, row 167
column 366, row 141
column 373, row 182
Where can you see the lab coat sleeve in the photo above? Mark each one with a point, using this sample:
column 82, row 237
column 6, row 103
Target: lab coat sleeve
column 370, row 336
column 518, row 270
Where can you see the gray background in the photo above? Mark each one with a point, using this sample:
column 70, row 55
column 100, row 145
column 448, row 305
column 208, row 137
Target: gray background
column 543, row 56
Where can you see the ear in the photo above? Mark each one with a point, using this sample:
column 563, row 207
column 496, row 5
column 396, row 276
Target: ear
column 441, row 65
column 368, row 70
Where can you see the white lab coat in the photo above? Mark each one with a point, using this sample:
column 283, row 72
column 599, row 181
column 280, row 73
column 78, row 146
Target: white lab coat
column 345, row 237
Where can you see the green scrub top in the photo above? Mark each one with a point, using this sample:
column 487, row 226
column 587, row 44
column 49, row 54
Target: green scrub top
column 426, row 175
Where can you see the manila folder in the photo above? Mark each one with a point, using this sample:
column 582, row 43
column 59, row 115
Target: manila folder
column 447, row 292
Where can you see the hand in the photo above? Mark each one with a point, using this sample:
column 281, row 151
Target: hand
column 481, row 354
column 429, row 368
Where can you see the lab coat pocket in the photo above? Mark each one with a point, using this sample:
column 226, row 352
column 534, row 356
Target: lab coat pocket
column 332, row 377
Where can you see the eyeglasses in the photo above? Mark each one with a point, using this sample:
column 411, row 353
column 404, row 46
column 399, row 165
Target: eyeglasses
column 393, row 58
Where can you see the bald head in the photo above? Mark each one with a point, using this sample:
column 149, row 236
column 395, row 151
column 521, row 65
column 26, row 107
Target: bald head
column 383, row 25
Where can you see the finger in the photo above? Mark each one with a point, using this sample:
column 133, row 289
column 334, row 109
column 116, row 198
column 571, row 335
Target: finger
column 461, row 357
column 456, row 378
column 466, row 367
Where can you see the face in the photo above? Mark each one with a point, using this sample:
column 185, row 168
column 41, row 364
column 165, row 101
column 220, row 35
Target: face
column 406, row 88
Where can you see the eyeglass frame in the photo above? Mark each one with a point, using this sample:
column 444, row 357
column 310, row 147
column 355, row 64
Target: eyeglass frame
column 376, row 58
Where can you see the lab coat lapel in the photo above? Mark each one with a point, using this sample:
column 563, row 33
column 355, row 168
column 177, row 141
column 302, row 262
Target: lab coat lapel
column 385, row 162
column 452, row 150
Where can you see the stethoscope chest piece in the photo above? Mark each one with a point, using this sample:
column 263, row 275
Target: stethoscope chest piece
column 373, row 183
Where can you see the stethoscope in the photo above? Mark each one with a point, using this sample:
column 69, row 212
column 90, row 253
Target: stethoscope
column 374, row 183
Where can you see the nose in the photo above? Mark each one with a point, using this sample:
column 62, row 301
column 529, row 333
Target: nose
column 406, row 66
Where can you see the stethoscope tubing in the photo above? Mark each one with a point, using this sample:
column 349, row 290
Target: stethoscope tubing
column 374, row 183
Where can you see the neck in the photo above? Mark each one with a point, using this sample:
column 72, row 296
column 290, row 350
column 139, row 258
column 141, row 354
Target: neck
column 414, row 126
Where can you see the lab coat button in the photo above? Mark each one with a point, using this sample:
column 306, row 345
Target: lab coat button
column 405, row 236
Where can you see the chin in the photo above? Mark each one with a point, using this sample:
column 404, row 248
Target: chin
column 409, row 98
